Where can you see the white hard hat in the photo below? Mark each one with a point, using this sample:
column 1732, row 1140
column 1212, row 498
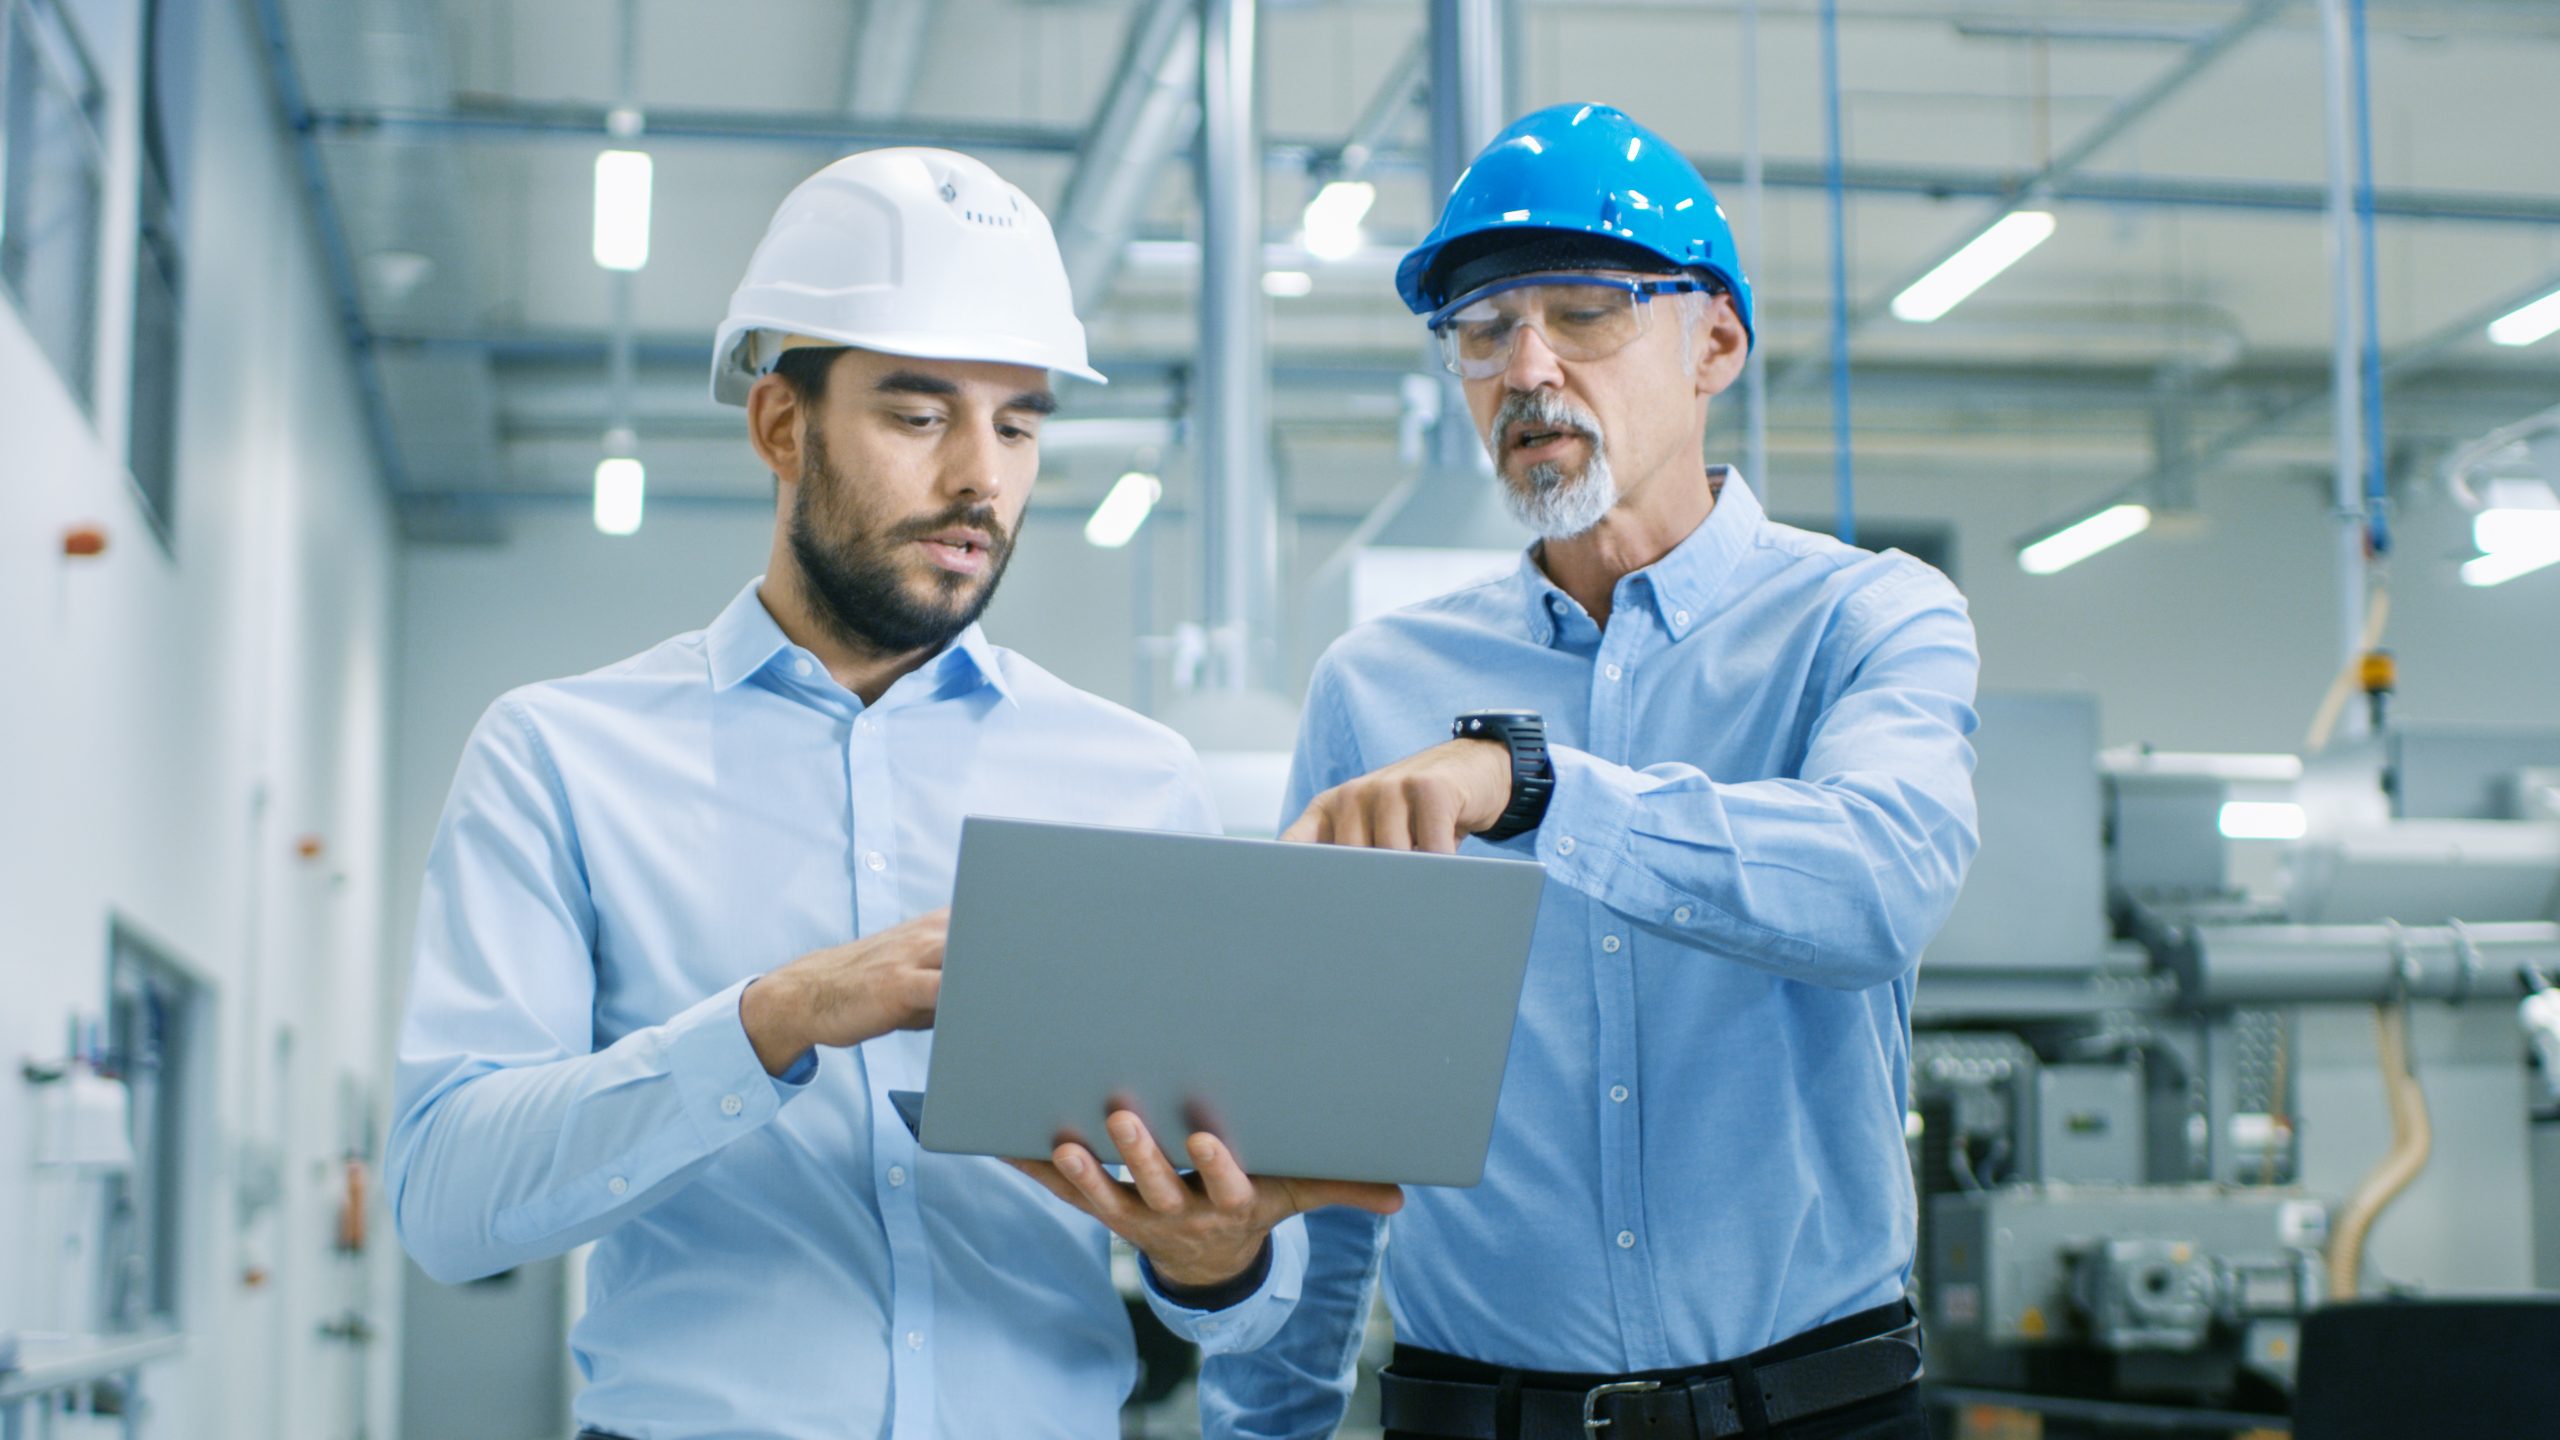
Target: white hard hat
column 908, row 251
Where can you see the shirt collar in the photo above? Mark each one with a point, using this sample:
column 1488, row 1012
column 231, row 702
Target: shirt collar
column 745, row 640
column 1680, row 584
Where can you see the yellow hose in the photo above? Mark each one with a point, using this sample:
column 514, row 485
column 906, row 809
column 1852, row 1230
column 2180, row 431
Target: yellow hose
column 2411, row 1138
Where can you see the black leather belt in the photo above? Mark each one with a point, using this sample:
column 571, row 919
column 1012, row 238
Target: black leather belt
column 1710, row 1402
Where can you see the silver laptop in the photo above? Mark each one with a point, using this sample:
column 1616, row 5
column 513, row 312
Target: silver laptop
column 1332, row 1012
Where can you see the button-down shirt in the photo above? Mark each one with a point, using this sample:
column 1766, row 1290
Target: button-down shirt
column 620, row 854
column 1763, row 807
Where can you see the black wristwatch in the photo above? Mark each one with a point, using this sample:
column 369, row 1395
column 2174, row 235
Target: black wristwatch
column 1533, row 775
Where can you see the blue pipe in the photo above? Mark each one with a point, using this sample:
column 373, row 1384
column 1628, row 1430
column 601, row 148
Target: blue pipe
column 1844, row 473
column 2377, row 497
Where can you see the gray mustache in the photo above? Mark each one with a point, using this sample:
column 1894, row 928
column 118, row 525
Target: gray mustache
column 1540, row 407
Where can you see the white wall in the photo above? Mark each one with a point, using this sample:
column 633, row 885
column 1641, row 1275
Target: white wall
column 172, row 721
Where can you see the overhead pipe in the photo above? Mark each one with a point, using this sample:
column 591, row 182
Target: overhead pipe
column 2346, row 398
column 1239, row 520
column 1150, row 113
column 1844, row 481
column 1468, row 108
column 2377, row 499
column 1755, row 202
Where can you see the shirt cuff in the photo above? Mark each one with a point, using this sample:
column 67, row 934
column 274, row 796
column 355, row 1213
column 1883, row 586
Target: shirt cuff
column 724, row 1088
column 1220, row 1296
column 1584, row 834
column 1253, row 1317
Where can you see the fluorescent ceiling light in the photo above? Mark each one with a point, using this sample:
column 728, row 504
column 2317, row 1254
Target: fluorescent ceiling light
column 1287, row 284
column 1970, row 268
column 2263, row 820
column 1333, row 218
column 2532, row 322
column 2499, row 567
column 2077, row 542
column 2497, row 531
column 1122, row 511
column 622, row 209
column 620, row 482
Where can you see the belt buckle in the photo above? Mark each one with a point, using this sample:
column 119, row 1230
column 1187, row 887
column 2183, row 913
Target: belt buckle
column 1592, row 1424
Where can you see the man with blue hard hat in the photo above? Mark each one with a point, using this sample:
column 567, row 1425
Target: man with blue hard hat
column 1740, row 750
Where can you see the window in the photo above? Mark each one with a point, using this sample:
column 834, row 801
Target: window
column 154, row 1038
column 52, row 160
column 159, row 256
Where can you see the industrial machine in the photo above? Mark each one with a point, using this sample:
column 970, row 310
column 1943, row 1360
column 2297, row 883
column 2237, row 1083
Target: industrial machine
column 2173, row 1057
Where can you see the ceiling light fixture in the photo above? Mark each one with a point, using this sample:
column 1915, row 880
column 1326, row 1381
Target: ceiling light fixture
column 1287, row 284
column 1333, row 218
column 1122, row 511
column 622, row 209
column 2083, row 538
column 2527, row 323
column 621, row 484
column 1972, row 267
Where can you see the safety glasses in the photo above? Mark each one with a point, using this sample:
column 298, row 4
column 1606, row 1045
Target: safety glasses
column 1581, row 317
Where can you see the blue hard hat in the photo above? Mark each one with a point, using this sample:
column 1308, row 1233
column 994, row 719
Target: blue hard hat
column 1578, row 172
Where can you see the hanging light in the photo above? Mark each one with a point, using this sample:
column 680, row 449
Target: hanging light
column 622, row 209
column 1333, row 218
column 1122, row 511
column 2083, row 538
column 1969, row 269
column 621, row 484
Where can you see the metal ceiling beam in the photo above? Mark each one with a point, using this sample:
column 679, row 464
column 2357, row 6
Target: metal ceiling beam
column 2120, row 118
column 1150, row 114
column 586, row 124
column 1388, row 105
column 2416, row 358
column 285, row 79
column 883, row 56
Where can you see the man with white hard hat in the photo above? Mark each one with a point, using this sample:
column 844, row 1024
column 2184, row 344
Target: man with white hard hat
column 1740, row 750
column 682, row 926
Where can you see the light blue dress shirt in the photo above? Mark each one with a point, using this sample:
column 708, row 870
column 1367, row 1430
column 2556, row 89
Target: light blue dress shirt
column 1763, row 809
column 620, row 854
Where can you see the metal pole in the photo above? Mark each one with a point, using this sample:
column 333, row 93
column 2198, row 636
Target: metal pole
column 2346, row 421
column 1467, row 110
column 1239, row 557
column 1845, row 485
column 1755, row 200
column 2377, row 500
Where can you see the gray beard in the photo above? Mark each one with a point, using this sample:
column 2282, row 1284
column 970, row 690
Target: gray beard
column 1557, row 506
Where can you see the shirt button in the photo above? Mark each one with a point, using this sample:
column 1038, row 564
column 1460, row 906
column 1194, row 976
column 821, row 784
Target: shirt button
column 731, row 1104
column 1680, row 618
column 1565, row 846
column 863, row 724
column 1609, row 670
column 1626, row 1239
column 915, row 1339
column 1681, row 915
column 1609, row 943
column 1618, row 1093
column 618, row 1185
column 897, row 1176
column 801, row 666
column 875, row 861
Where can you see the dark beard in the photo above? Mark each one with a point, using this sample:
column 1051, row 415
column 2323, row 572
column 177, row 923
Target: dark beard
column 855, row 571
